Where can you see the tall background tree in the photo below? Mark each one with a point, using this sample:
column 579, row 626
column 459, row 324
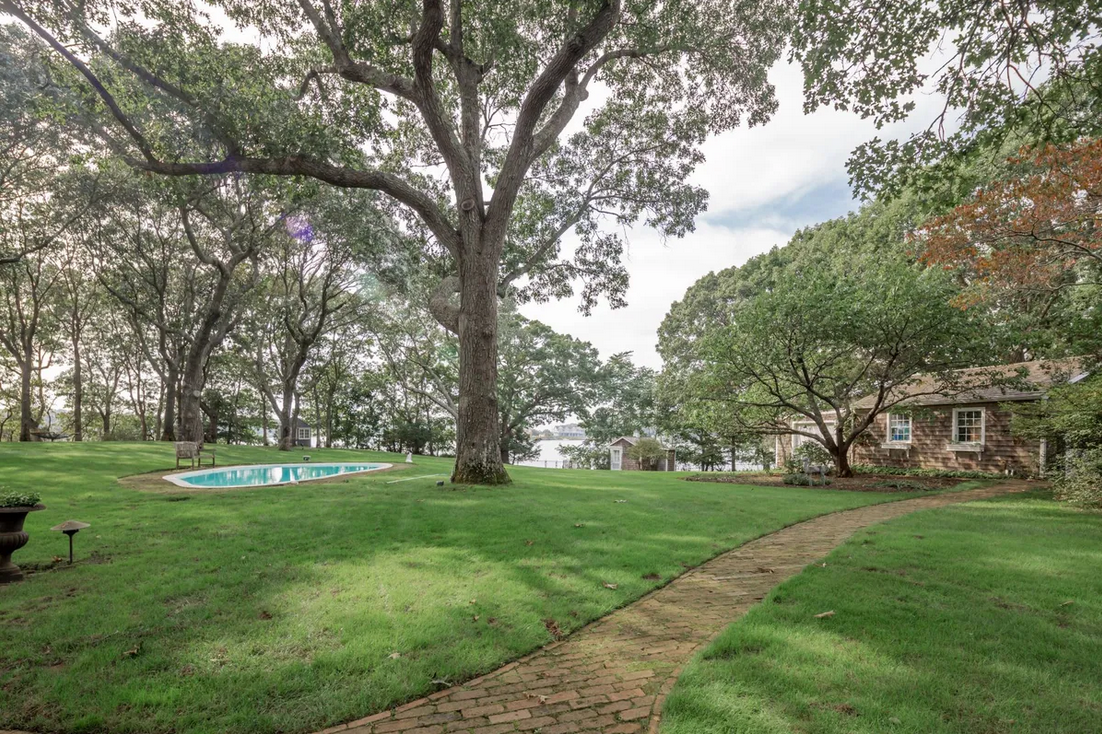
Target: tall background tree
column 311, row 289
column 841, row 314
column 380, row 97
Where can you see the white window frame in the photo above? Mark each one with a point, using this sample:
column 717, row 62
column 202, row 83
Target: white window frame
column 959, row 445
column 910, row 430
column 616, row 458
column 303, row 433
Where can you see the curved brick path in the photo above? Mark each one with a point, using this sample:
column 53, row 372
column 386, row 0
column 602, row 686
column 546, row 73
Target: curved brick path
column 613, row 675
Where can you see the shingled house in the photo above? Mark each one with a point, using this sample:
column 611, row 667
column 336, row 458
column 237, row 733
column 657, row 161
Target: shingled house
column 967, row 428
column 620, row 461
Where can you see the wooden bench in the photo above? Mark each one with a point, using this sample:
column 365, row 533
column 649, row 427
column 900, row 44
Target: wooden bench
column 194, row 453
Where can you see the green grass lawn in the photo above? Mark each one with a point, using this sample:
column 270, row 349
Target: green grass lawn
column 293, row 608
column 983, row 618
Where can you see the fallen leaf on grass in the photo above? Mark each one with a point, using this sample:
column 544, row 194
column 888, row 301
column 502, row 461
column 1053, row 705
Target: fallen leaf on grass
column 394, row 655
column 619, row 502
column 58, row 559
column 824, row 615
column 475, row 618
column 529, row 542
column 610, row 586
column 552, row 627
column 133, row 651
column 1067, row 603
column 473, row 601
column 579, row 525
column 491, row 621
column 652, row 577
column 895, row 720
column 762, row 569
column 265, row 614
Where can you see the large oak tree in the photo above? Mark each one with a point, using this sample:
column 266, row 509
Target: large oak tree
column 496, row 128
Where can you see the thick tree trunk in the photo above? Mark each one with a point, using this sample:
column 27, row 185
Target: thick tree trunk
column 478, row 436
column 191, row 413
column 26, row 415
column 159, row 415
column 286, row 423
column 841, row 462
column 168, row 422
column 78, row 394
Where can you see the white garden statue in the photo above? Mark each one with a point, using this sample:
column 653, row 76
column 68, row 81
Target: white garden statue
column 409, row 457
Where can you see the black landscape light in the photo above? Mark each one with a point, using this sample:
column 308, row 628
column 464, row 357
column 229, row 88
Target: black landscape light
column 71, row 528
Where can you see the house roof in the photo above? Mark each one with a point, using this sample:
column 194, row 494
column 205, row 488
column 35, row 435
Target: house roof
column 994, row 384
column 632, row 440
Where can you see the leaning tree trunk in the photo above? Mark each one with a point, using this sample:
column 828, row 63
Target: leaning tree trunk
column 26, row 416
column 478, row 438
column 168, row 420
column 78, row 394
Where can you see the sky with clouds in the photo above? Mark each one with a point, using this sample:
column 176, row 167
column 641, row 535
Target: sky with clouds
column 764, row 183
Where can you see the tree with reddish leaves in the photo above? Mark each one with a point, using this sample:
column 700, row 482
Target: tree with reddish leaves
column 1035, row 231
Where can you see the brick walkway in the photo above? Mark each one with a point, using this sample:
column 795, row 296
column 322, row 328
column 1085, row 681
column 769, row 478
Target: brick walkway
column 613, row 675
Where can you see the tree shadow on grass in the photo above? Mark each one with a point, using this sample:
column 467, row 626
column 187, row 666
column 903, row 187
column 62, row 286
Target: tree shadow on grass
column 954, row 621
column 266, row 610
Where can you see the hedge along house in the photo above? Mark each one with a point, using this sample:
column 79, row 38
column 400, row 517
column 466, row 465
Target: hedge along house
column 619, row 460
column 968, row 429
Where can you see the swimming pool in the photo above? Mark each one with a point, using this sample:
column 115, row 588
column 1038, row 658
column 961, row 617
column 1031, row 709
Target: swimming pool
column 265, row 475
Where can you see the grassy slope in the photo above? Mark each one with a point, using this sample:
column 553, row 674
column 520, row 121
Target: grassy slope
column 951, row 620
column 279, row 609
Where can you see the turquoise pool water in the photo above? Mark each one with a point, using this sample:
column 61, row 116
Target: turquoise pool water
column 265, row 475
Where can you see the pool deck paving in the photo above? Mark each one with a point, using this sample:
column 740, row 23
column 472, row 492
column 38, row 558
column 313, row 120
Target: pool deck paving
column 613, row 675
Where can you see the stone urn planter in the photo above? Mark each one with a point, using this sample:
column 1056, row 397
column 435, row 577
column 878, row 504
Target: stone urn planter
column 12, row 538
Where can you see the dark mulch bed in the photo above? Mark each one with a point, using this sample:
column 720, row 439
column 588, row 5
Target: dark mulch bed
column 861, row 483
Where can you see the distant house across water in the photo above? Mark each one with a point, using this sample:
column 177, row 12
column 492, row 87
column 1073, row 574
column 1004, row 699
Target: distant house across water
column 568, row 431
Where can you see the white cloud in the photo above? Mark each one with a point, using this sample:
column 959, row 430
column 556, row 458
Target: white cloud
column 755, row 176
column 660, row 274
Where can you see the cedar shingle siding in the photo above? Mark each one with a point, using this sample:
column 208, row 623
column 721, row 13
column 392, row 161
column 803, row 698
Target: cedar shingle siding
column 932, row 444
column 932, row 437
